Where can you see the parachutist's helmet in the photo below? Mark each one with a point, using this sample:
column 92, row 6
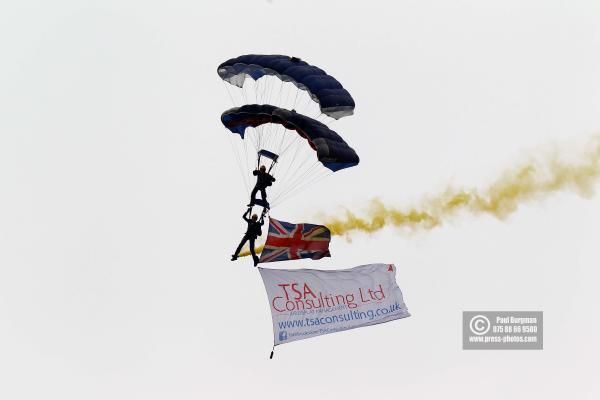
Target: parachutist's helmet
column 263, row 168
column 254, row 217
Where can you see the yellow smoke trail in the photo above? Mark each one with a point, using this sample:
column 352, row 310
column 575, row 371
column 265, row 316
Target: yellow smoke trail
column 535, row 179
column 246, row 251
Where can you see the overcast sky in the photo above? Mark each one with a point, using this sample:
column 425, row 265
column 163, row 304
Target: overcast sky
column 120, row 199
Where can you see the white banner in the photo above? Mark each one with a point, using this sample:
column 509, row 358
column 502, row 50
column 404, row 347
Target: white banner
column 307, row 302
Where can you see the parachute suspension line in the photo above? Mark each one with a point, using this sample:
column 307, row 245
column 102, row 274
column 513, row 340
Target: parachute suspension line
column 273, row 164
column 280, row 92
column 327, row 120
column 319, row 116
column 257, row 139
column 283, row 136
column 244, row 90
column 293, row 93
column 278, row 142
column 286, row 138
column 261, row 90
column 312, row 178
column 229, row 93
column 318, row 178
column 290, row 164
column 294, row 140
column 295, row 98
column 282, row 193
column 263, row 86
column 286, row 102
column 267, row 137
column 248, row 165
column 275, row 96
column 259, row 136
column 291, row 143
column 235, row 148
column 268, row 93
column 280, row 89
column 332, row 121
column 279, row 130
column 272, row 94
column 308, row 100
column 266, row 89
column 301, row 168
column 298, row 177
column 269, row 133
column 238, row 160
column 256, row 85
column 255, row 91
column 294, row 182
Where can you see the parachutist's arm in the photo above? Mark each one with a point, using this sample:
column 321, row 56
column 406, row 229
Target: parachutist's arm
column 244, row 216
column 255, row 172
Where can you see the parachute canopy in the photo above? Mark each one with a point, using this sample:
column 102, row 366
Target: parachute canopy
column 333, row 99
column 332, row 151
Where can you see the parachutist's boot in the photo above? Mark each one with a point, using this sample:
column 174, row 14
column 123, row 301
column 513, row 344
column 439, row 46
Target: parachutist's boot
column 255, row 261
column 234, row 257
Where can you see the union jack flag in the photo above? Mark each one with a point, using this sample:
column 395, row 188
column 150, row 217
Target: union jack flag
column 288, row 241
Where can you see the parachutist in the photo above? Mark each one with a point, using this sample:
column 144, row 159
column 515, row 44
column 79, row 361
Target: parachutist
column 263, row 180
column 254, row 230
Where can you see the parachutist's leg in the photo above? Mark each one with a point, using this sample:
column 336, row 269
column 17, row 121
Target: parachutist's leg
column 253, row 252
column 263, row 194
column 239, row 248
column 253, row 195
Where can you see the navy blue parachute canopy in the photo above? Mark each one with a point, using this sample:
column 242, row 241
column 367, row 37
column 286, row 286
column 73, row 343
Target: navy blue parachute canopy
column 332, row 151
column 333, row 99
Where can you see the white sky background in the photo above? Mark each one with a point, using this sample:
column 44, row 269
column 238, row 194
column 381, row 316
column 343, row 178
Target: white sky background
column 120, row 200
